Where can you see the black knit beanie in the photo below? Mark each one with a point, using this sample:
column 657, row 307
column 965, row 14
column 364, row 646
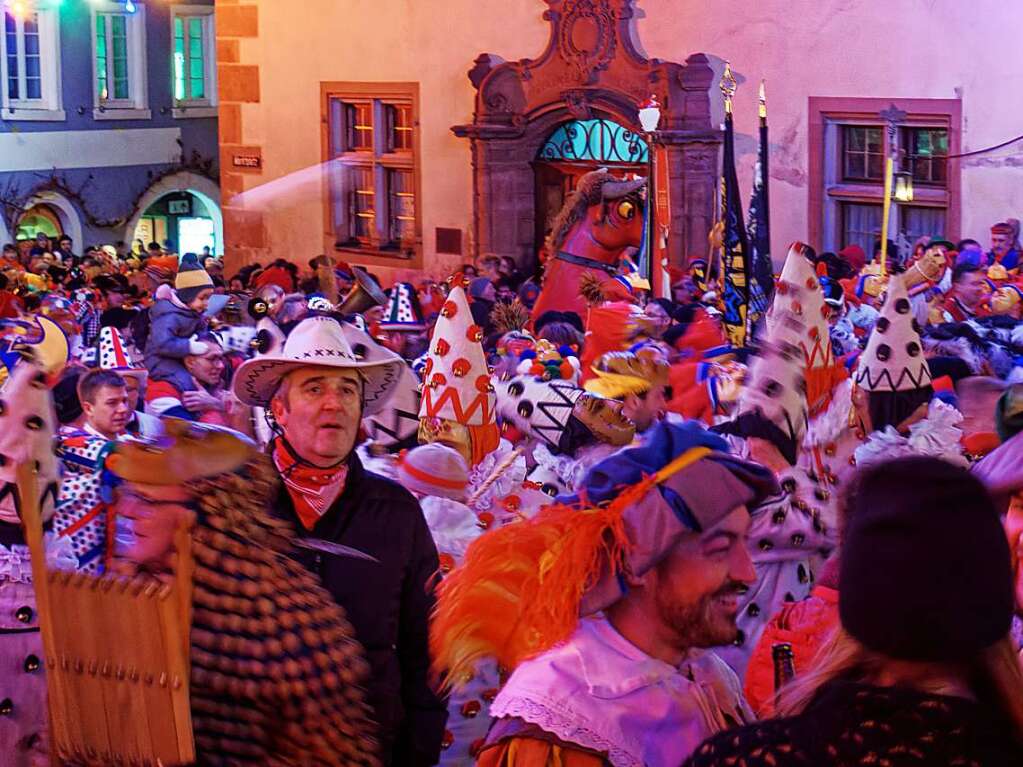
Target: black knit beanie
column 925, row 572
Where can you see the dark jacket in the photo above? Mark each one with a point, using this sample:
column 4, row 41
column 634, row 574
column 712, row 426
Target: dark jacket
column 854, row 724
column 388, row 603
column 170, row 327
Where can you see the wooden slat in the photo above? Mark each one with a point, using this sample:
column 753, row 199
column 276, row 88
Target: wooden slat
column 101, row 625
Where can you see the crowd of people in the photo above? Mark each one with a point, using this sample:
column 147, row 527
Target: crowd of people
column 519, row 538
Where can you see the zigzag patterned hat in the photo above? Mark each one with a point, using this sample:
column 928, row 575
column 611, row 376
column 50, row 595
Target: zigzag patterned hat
column 894, row 357
column 456, row 379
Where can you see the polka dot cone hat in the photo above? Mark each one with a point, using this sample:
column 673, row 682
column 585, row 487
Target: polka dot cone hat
column 894, row 357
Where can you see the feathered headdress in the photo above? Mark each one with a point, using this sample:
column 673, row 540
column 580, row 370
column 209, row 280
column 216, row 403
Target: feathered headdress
column 522, row 588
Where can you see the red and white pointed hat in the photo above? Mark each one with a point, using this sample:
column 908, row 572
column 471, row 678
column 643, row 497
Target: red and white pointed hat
column 113, row 355
column 456, row 378
column 799, row 294
column 894, row 358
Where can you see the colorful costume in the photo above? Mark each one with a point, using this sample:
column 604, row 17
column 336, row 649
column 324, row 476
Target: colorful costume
column 27, row 425
column 577, row 685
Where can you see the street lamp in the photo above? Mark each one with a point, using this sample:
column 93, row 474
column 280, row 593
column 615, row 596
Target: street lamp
column 650, row 115
column 903, row 186
column 649, row 119
column 892, row 117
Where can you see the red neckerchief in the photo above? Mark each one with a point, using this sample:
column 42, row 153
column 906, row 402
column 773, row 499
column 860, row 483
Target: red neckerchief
column 313, row 490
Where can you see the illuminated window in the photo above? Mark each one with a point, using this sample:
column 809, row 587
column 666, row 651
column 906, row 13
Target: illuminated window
column 29, row 65
column 402, row 208
column 924, row 154
column 363, row 202
column 400, row 127
column 193, row 67
column 373, row 169
column 112, row 57
column 849, row 143
column 119, row 61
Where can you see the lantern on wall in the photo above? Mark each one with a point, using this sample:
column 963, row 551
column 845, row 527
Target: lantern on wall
column 902, row 189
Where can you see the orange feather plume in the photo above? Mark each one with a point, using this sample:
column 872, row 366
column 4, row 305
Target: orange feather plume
column 518, row 591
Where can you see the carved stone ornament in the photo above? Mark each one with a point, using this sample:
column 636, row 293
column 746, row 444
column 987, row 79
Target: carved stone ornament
column 591, row 68
column 578, row 104
column 587, row 37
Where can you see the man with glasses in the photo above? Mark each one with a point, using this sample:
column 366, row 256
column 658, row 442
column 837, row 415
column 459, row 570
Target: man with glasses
column 210, row 402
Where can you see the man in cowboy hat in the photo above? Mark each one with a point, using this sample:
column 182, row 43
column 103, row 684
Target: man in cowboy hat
column 318, row 388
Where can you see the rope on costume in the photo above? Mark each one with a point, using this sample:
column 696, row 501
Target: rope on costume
column 495, row 475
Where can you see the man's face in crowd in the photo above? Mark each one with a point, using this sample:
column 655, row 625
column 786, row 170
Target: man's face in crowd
column 489, row 294
column 155, row 513
column 115, row 299
column 645, row 411
column 274, row 297
column 505, row 294
column 695, row 589
column 65, row 244
column 660, row 317
column 208, row 368
column 971, row 288
column 489, row 270
column 133, row 385
column 319, row 410
column 1000, row 242
column 109, row 411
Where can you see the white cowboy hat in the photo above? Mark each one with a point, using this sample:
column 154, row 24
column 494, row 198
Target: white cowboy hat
column 320, row 342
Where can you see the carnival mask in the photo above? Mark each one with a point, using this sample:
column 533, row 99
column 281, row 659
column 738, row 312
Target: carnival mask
column 1006, row 300
column 446, row 432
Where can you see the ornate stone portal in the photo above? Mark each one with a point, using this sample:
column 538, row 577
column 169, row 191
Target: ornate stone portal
column 590, row 69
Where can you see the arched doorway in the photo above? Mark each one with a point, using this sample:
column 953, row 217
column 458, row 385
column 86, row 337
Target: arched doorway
column 182, row 209
column 179, row 222
column 36, row 220
column 574, row 148
column 39, row 219
column 51, row 213
column 592, row 68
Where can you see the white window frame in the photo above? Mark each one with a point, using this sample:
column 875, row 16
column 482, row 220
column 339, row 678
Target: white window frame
column 136, row 106
column 204, row 107
column 49, row 107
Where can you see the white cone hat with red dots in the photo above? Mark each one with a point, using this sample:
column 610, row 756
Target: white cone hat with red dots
column 456, row 379
column 894, row 357
column 799, row 293
column 28, row 424
column 114, row 356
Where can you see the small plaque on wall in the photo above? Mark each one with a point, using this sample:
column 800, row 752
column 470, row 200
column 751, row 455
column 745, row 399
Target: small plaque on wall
column 247, row 161
column 449, row 240
column 180, row 207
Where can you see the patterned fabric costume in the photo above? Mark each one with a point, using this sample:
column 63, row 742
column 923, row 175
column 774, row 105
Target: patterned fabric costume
column 276, row 673
column 84, row 515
